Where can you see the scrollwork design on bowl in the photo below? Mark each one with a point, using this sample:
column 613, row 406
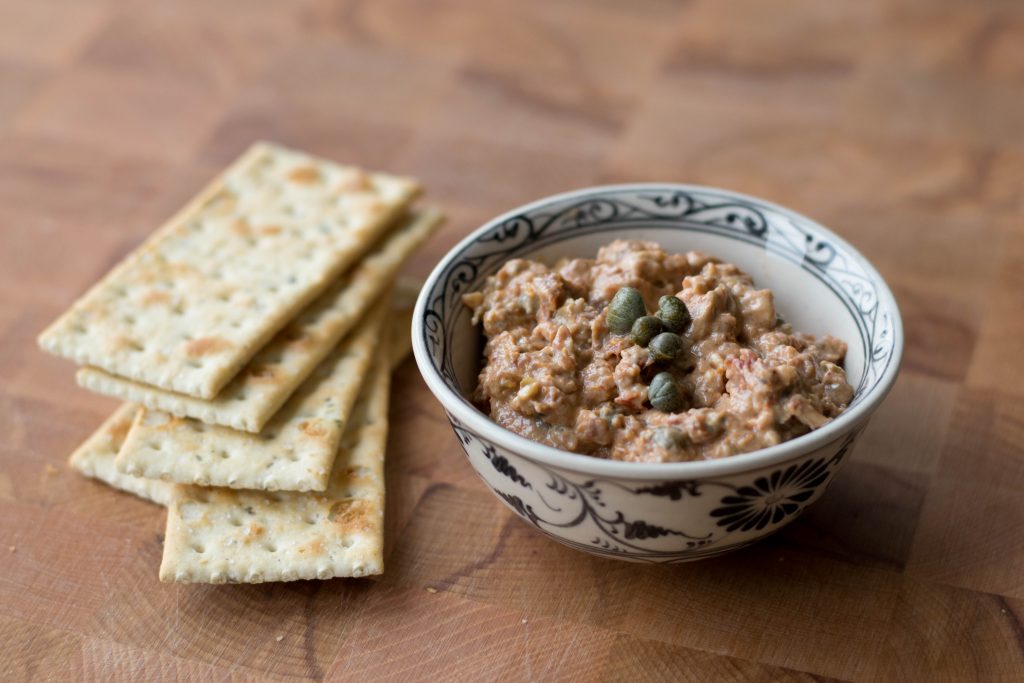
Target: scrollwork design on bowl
column 778, row 230
column 609, row 517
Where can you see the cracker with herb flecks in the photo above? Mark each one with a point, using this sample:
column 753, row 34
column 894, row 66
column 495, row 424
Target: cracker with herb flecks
column 294, row 452
column 263, row 386
column 95, row 458
column 97, row 455
column 228, row 536
column 187, row 309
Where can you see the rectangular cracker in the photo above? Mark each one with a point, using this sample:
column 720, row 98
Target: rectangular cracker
column 187, row 309
column 222, row 535
column 294, row 452
column 97, row 455
column 249, row 401
column 95, row 458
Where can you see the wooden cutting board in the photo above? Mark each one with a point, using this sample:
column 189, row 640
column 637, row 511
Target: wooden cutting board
column 898, row 123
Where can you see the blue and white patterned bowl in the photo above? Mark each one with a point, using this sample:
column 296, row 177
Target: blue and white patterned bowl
column 669, row 512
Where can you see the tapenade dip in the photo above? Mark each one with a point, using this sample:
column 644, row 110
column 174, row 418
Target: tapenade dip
column 645, row 356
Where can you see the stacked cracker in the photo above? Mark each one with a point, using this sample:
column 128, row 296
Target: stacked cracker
column 246, row 338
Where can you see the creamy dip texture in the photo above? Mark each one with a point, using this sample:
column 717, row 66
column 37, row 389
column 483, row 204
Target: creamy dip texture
column 726, row 376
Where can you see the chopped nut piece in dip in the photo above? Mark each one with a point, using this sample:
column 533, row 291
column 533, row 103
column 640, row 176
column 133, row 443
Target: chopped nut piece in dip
column 729, row 375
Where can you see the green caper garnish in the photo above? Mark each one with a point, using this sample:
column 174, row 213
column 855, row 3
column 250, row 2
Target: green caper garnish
column 673, row 314
column 664, row 393
column 627, row 305
column 644, row 330
column 668, row 438
column 665, row 346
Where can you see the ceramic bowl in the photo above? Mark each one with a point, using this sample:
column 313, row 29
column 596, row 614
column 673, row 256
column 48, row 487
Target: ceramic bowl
column 663, row 512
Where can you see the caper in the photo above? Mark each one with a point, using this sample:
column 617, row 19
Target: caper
column 644, row 330
column 664, row 393
column 627, row 305
column 668, row 438
column 665, row 346
column 673, row 314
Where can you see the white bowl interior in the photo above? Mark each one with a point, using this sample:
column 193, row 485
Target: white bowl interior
column 801, row 298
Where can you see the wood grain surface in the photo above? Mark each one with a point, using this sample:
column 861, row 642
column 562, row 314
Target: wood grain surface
column 898, row 123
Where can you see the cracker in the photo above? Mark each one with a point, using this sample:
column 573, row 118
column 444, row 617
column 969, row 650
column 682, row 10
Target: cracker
column 95, row 458
column 294, row 452
column 97, row 455
column 403, row 300
column 249, row 401
column 223, row 535
column 187, row 309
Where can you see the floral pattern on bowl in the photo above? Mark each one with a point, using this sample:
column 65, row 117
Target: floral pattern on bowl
column 667, row 512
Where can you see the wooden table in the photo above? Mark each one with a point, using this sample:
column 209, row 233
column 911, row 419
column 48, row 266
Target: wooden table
column 899, row 124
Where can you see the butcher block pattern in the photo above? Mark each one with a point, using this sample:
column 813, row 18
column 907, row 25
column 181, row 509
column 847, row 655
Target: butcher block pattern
column 898, row 123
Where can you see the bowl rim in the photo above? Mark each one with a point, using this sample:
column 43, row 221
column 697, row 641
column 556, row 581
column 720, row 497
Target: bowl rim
column 567, row 460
